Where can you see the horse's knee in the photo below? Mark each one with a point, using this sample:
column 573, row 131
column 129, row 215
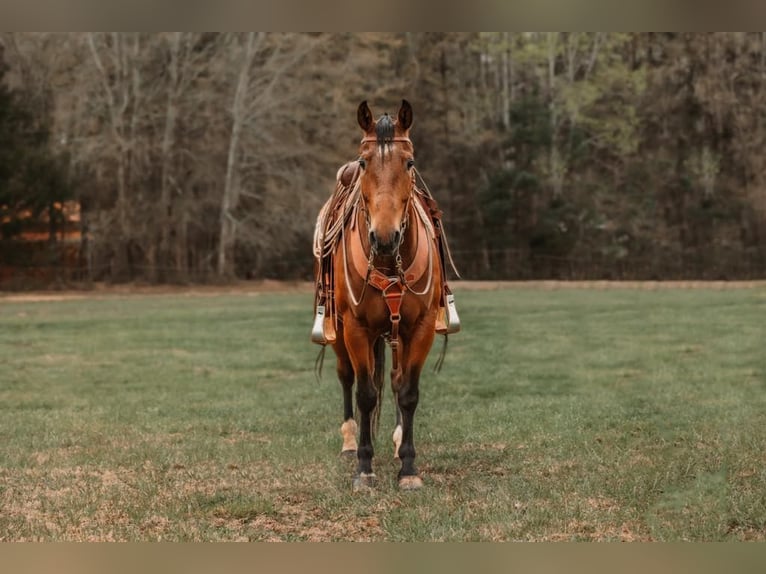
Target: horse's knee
column 366, row 397
column 345, row 373
column 408, row 397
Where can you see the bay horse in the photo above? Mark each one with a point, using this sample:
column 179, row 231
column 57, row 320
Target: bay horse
column 388, row 283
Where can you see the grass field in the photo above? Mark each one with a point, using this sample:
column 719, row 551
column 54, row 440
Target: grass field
column 560, row 415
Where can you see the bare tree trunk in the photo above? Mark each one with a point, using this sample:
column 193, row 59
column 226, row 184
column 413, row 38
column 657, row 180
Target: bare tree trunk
column 168, row 143
column 116, row 116
column 86, row 251
column 555, row 160
column 507, row 80
column 230, row 198
column 763, row 55
column 182, row 247
column 133, row 98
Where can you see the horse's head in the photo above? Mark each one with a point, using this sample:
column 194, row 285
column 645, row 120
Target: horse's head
column 386, row 179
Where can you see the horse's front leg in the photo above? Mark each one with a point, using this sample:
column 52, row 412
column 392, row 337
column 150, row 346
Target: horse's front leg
column 397, row 436
column 407, row 393
column 359, row 346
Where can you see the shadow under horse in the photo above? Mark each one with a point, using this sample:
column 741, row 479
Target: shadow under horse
column 380, row 256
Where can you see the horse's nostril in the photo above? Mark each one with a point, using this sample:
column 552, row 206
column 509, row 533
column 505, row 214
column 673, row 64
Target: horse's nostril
column 397, row 237
column 373, row 239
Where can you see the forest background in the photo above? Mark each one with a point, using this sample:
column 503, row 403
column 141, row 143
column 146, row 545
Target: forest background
column 186, row 157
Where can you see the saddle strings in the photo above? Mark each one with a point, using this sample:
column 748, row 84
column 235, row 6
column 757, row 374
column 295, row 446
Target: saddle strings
column 349, row 287
column 428, row 193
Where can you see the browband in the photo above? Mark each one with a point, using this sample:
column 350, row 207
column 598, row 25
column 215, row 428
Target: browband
column 396, row 139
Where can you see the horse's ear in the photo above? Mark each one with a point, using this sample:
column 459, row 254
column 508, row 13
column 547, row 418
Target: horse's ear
column 364, row 117
column 405, row 115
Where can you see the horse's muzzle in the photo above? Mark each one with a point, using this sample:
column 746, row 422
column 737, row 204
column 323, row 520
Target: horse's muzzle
column 387, row 245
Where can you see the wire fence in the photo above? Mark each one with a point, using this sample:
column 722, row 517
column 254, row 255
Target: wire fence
column 514, row 264
column 473, row 264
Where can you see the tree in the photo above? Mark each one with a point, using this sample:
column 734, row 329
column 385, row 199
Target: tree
column 196, row 156
column 32, row 179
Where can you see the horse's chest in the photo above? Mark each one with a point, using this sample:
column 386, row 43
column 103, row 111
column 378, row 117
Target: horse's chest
column 372, row 313
column 375, row 314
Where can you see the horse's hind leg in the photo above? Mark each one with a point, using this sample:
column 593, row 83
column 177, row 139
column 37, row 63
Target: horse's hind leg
column 345, row 372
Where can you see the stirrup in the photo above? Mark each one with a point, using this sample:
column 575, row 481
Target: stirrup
column 323, row 331
column 447, row 320
column 453, row 320
column 317, row 331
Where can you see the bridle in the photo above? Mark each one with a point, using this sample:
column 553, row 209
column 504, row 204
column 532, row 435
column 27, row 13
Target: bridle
column 370, row 139
column 405, row 223
column 406, row 217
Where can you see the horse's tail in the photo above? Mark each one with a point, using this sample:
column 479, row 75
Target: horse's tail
column 378, row 380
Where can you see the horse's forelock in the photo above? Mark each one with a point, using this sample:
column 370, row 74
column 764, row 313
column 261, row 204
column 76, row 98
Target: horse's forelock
column 384, row 130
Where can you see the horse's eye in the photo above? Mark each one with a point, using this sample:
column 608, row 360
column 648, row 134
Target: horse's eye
column 362, row 163
column 410, row 163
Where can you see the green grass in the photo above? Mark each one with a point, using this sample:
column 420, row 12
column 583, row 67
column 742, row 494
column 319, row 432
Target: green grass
column 559, row 415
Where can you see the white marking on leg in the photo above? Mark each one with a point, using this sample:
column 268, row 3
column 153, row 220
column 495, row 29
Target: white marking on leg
column 397, row 440
column 348, row 432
